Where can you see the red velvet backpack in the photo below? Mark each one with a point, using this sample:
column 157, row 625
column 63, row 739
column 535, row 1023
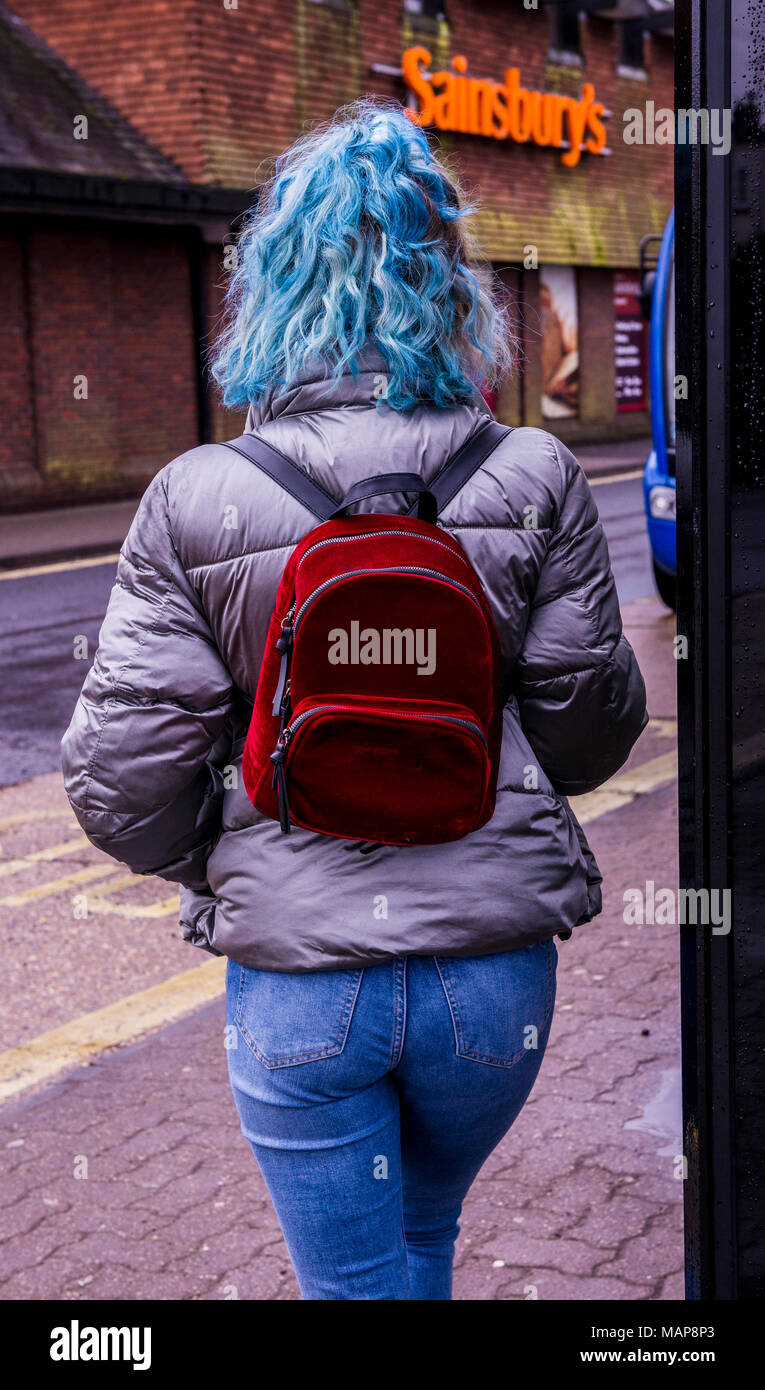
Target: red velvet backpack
column 377, row 715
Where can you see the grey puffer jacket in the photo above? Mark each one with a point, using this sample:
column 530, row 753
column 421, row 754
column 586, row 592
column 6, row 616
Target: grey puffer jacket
column 152, row 757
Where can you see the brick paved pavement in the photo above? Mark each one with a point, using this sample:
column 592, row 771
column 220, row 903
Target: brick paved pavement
column 579, row 1201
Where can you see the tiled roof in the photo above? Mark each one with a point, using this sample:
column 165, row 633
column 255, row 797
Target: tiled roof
column 40, row 97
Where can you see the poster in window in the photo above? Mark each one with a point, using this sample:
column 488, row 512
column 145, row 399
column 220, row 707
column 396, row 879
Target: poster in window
column 560, row 342
column 629, row 342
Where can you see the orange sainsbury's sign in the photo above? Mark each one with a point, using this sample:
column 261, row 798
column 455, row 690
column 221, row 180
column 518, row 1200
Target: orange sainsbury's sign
column 503, row 110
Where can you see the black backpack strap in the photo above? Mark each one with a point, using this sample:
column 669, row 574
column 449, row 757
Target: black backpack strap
column 444, row 486
column 461, row 466
column 286, row 473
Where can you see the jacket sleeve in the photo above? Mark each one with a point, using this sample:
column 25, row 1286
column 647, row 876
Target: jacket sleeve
column 138, row 753
column 581, row 696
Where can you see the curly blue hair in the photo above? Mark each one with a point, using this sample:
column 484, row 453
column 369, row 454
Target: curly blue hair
column 361, row 233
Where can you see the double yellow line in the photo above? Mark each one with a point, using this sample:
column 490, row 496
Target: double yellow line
column 87, row 1037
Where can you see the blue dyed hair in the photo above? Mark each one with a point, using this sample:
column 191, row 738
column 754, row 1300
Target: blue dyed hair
column 360, row 234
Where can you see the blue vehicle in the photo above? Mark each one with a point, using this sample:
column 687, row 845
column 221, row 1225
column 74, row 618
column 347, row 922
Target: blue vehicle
column 659, row 489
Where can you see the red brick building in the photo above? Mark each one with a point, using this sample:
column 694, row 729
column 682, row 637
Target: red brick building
column 109, row 256
column 528, row 106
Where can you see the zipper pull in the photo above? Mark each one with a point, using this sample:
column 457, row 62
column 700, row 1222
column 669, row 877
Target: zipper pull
column 283, row 645
column 279, row 779
column 285, row 708
column 284, row 642
column 282, row 744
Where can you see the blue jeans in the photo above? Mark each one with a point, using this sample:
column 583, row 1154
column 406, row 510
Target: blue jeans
column 371, row 1099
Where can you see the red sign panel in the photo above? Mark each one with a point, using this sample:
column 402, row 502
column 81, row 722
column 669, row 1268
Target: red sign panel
column 629, row 342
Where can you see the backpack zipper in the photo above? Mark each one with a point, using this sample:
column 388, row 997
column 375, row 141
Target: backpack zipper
column 278, row 757
column 281, row 701
column 385, row 569
column 288, row 733
column 374, row 536
column 399, row 714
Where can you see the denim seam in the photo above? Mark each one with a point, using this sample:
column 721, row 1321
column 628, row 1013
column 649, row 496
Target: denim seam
column 461, row 1049
column 399, row 1029
column 331, row 1049
column 453, row 1011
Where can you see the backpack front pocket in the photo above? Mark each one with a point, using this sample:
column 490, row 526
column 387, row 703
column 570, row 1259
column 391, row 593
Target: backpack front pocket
column 403, row 772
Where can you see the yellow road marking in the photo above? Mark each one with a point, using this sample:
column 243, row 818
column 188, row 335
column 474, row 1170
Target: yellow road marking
column 14, row 866
column 616, row 477
column 55, row 885
column 87, row 1037
column 21, row 817
column 105, row 906
column 127, row 880
column 168, row 907
column 61, row 565
column 102, row 903
column 626, row 787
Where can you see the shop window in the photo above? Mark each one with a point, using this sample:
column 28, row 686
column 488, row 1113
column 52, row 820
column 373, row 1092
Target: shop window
column 559, row 349
column 565, row 43
column 429, row 9
column 632, row 46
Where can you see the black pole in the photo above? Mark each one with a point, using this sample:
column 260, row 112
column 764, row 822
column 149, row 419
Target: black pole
column 720, row 262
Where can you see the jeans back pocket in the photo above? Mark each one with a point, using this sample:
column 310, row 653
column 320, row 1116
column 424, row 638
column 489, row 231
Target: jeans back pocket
column 500, row 1004
column 287, row 1018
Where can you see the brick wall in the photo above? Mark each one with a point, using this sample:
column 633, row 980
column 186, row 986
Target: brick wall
column 222, row 91
column 112, row 305
column 509, row 404
column 142, row 55
column 18, row 476
column 224, row 423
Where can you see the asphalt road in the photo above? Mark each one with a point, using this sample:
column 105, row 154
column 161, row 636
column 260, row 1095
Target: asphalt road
column 44, row 615
column 41, row 617
column 621, row 510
